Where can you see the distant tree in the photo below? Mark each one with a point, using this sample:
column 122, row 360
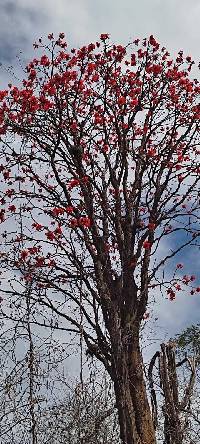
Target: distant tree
column 188, row 342
column 40, row 404
column 173, row 383
column 100, row 193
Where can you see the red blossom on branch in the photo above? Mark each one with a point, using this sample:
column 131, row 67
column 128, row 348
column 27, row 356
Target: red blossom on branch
column 12, row 208
column 104, row 37
column 107, row 157
column 147, row 245
column 24, row 254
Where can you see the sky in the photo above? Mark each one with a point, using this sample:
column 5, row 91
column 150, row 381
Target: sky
column 174, row 23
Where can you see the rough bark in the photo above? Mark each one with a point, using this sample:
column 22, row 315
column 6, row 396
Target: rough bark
column 173, row 430
column 136, row 424
column 175, row 425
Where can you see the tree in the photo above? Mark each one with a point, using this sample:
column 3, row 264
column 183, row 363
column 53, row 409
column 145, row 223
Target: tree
column 39, row 404
column 173, row 410
column 100, row 175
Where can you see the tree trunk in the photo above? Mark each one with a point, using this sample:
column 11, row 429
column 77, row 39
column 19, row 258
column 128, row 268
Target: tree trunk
column 144, row 421
column 173, row 428
column 136, row 424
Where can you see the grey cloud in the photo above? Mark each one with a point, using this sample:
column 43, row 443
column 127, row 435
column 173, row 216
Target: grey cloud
column 174, row 23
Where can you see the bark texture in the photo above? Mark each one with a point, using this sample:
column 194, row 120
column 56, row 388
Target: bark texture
column 136, row 424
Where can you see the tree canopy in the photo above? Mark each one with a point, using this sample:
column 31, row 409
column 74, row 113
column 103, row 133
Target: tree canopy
column 100, row 193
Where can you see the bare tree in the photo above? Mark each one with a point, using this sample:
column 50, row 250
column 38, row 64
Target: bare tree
column 40, row 404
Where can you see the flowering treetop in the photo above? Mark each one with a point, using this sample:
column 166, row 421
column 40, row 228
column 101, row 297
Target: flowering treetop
column 100, row 164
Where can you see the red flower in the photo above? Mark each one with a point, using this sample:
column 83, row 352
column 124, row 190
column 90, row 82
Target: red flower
column 74, row 126
column 98, row 119
column 24, row 254
column 179, row 266
column 74, row 222
column 121, row 100
column 40, row 261
column 50, row 235
column 105, row 148
column 151, row 152
column 6, row 175
column 171, row 293
column 91, row 67
column 151, row 226
column 152, row 41
column 186, row 279
column 46, row 105
column 104, row 37
column 85, row 179
column 69, row 210
column 51, row 90
column 133, row 60
column 147, row 245
column 180, row 178
column 3, row 94
column 58, row 231
column 12, row 208
column 32, row 74
column 44, row 61
column 57, row 211
column 73, row 183
column 156, row 69
column 2, row 216
column 51, row 263
column 95, row 78
column 134, row 102
column 33, row 250
column 38, row 227
column 178, row 287
column 85, row 222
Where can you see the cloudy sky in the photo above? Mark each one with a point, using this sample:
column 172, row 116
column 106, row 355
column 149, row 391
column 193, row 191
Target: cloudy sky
column 174, row 23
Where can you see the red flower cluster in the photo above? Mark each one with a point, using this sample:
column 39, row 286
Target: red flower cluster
column 37, row 226
column 12, row 208
column 153, row 42
column 73, row 183
column 2, row 215
column 151, row 152
column 104, row 37
column 82, row 221
column 147, row 245
column 151, row 226
column 50, row 235
column 24, row 254
column 187, row 279
column 122, row 100
column 69, row 210
column 171, row 293
column 58, row 211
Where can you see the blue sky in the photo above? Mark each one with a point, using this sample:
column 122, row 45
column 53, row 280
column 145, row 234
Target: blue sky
column 174, row 23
